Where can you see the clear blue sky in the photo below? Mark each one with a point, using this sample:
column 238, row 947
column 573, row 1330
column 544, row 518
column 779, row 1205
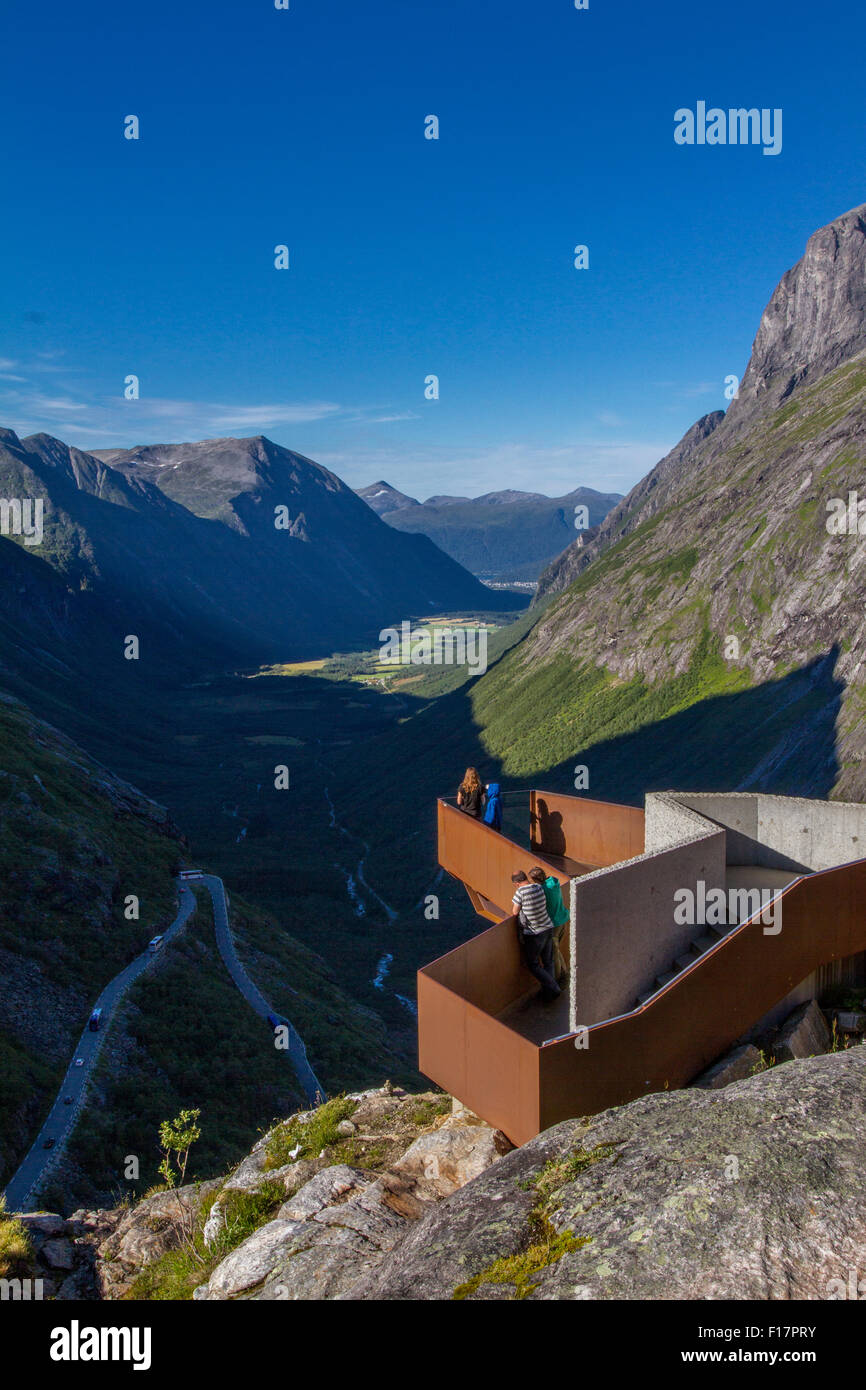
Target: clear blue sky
column 408, row 256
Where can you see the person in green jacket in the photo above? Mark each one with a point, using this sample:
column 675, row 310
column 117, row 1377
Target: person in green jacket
column 558, row 914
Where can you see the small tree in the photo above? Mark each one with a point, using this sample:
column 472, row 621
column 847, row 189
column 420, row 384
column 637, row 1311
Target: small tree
column 176, row 1138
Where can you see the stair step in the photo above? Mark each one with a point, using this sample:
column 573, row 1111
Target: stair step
column 666, row 978
column 688, row 959
column 647, row 994
column 703, row 943
column 720, row 932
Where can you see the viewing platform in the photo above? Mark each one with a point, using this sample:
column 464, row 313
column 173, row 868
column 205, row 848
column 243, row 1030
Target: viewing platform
column 655, row 993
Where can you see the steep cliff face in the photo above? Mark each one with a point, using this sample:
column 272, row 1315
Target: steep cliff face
column 718, row 573
column 816, row 318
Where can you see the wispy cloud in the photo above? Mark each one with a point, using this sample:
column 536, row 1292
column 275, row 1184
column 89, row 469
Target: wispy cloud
column 24, row 406
column 391, row 419
column 265, row 416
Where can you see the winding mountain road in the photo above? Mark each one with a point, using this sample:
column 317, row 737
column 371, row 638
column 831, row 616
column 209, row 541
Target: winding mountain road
column 63, row 1115
column 296, row 1051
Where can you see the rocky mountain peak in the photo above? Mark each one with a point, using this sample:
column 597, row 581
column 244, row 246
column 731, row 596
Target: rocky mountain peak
column 816, row 318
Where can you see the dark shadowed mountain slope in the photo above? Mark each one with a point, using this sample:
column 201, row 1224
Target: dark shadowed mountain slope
column 326, row 541
column 506, row 535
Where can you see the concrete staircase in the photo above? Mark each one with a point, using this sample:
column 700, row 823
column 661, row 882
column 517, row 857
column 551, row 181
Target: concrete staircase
column 711, row 936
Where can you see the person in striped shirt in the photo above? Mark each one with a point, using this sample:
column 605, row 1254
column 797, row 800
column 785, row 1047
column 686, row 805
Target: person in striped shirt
column 535, row 931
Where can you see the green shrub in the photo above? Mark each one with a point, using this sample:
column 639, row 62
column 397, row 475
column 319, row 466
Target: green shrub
column 310, row 1136
column 16, row 1249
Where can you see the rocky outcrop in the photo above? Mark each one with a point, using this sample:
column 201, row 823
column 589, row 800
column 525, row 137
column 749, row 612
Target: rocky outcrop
column 734, row 1066
column 337, row 1228
column 746, row 1189
column 751, row 1192
column 128, row 1239
column 62, row 1259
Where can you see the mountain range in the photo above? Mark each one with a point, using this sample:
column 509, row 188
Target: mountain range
column 234, row 547
column 501, row 536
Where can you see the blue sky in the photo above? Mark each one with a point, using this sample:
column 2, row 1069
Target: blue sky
column 408, row 257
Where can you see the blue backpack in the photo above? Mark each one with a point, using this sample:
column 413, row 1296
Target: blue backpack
column 493, row 809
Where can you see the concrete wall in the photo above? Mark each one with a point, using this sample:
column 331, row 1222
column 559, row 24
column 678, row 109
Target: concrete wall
column 784, row 832
column 738, row 813
column 816, row 834
column 622, row 930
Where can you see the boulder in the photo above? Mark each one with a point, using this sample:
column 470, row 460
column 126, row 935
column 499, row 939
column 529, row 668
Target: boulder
column 250, row 1173
column 328, row 1188
column 254, row 1260
column 58, row 1254
column 213, row 1224
column 850, row 1021
column 447, row 1158
column 139, row 1246
column 734, row 1066
column 42, row 1223
column 322, row 1256
column 803, row 1034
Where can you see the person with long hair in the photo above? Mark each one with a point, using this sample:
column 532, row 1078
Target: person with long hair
column 471, row 795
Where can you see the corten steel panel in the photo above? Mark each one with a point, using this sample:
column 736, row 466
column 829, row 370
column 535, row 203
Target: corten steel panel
column 485, row 860
column 483, row 907
column 487, row 971
column 703, row 1012
column 592, row 832
column 488, row 1067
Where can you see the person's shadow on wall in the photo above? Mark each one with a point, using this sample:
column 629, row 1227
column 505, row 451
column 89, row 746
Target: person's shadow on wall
column 548, row 833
